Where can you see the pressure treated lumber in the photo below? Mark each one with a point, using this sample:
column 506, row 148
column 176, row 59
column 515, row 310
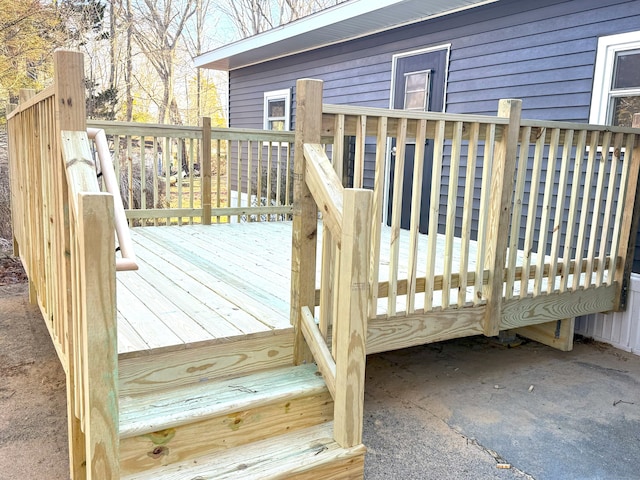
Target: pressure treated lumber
column 502, row 175
column 304, row 454
column 630, row 223
column 557, row 334
column 554, row 306
column 99, row 349
column 171, row 426
column 351, row 322
column 173, row 368
column 305, row 223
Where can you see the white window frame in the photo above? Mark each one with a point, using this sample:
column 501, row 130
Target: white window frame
column 605, row 57
column 284, row 94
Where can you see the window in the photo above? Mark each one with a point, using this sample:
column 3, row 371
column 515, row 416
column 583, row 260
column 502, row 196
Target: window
column 277, row 110
column 616, row 85
column 416, row 90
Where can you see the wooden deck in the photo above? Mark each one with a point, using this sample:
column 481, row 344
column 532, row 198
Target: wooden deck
column 206, row 284
column 202, row 284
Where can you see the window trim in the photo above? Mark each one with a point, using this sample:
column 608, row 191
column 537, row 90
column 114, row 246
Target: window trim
column 608, row 46
column 284, row 94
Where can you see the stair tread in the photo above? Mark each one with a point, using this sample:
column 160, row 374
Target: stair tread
column 155, row 411
column 278, row 457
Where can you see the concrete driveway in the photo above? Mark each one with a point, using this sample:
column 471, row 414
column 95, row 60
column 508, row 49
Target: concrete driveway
column 469, row 408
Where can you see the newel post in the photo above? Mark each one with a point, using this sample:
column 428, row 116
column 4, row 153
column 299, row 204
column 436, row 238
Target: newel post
column 205, row 170
column 499, row 214
column 305, row 213
column 351, row 317
column 630, row 225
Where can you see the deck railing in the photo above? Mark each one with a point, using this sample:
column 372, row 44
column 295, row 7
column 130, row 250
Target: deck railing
column 64, row 233
column 171, row 174
column 528, row 224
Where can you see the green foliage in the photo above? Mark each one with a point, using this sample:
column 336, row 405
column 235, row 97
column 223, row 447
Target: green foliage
column 101, row 105
column 29, row 32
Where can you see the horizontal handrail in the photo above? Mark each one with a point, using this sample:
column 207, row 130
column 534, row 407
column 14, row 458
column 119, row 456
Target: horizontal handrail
column 128, row 260
column 37, row 98
column 186, row 131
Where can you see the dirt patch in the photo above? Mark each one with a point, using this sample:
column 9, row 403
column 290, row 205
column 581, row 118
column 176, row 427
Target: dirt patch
column 11, row 271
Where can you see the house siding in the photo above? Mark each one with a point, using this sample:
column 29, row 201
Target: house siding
column 541, row 52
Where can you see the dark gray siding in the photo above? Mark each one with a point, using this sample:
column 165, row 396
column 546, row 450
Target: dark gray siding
column 542, row 52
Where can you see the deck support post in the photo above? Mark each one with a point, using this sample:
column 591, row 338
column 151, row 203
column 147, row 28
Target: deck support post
column 205, row 170
column 629, row 229
column 305, row 213
column 557, row 334
column 499, row 214
column 351, row 319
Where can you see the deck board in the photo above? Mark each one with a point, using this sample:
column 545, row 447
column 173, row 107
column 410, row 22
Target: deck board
column 204, row 283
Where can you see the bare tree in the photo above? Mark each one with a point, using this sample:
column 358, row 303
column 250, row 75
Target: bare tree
column 251, row 17
column 157, row 29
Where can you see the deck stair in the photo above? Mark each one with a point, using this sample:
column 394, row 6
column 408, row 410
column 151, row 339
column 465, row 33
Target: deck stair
column 274, row 423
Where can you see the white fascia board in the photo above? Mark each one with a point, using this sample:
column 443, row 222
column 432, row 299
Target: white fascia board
column 358, row 17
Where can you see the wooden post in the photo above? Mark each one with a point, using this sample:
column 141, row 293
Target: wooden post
column 70, row 115
column 305, row 213
column 557, row 334
column 99, row 345
column 352, row 314
column 205, row 170
column 630, row 225
column 499, row 214
column 16, row 248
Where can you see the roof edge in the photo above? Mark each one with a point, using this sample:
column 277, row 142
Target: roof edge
column 220, row 58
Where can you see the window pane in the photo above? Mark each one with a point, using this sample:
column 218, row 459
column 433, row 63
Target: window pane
column 276, row 125
column 276, row 108
column 414, row 101
column 623, row 110
column 416, row 81
column 627, row 69
column 416, row 91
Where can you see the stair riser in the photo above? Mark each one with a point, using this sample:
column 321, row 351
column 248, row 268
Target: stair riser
column 169, row 446
column 350, row 468
column 171, row 369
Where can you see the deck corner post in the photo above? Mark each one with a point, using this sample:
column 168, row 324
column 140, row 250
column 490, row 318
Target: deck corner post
column 205, row 170
column 305, row 213
column 499, row 213
column 630, row 225
column 352, row 317
column 70, row 114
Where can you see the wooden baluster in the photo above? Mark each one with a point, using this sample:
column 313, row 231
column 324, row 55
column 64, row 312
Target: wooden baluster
column 378, row 206
column 396, row 212
column 452, row 195
column 514, row 238
column 467, row 212
column 416, row 200
column 434, row 208
column 485, row 195
column 572, row 214
column 205, row 170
